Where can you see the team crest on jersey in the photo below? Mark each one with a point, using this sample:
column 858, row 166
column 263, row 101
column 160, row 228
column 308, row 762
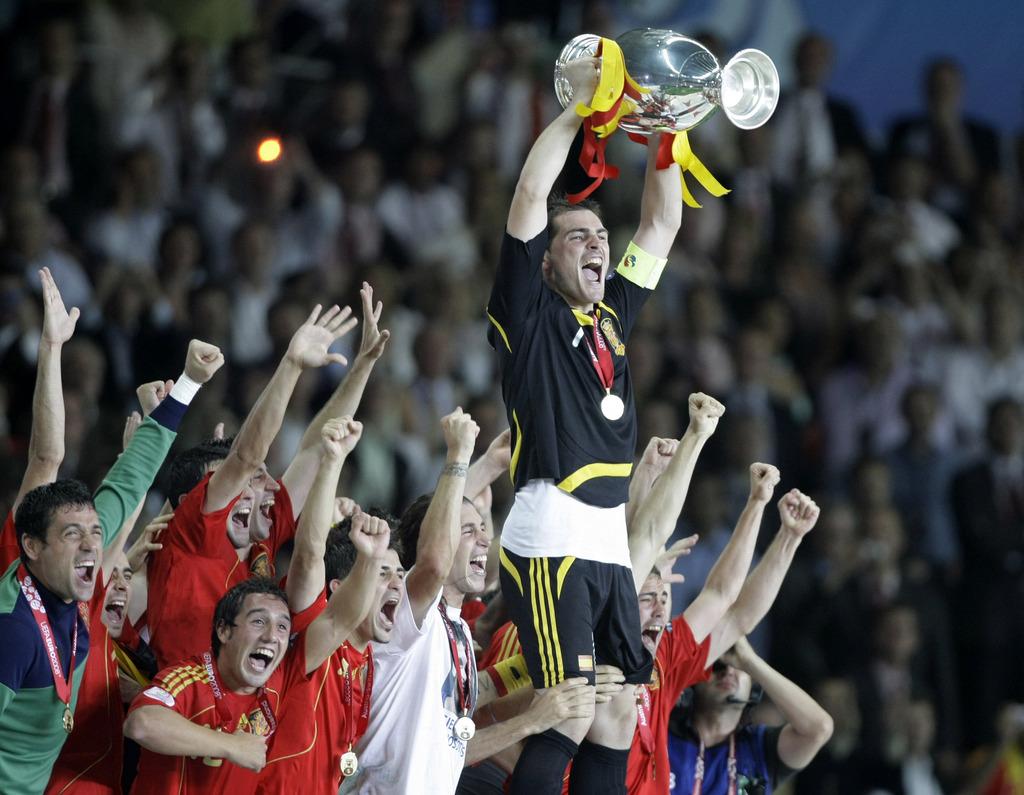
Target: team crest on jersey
column 610, row 334
column 260, row 566
column 256, row 722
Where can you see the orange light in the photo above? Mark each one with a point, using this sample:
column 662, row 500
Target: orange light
column 269, row 150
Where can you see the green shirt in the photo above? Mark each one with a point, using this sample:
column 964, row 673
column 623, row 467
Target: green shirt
column 31, row 731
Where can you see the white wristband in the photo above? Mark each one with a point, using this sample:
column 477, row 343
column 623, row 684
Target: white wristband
column 184, row 389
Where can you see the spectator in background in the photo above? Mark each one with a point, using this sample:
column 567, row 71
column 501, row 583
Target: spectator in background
column 958, row 149
column 988, row 502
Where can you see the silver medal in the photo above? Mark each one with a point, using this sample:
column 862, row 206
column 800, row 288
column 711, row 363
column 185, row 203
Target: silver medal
column 612, row 406
column 465, row 728
column 349, row 764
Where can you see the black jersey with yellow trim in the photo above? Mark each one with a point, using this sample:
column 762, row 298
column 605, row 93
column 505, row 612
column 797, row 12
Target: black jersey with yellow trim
column 552, row 391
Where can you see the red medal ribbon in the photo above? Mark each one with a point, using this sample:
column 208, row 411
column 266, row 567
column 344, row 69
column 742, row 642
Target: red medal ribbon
column 347, row 698
column 464, row 687
column 218, row 694
column 698, row 768
column 601, row 357
column 61, row 683
column 643, row 719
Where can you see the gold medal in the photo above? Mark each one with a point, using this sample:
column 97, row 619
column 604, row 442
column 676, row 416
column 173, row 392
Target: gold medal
column 349, row 764
column 69, row 719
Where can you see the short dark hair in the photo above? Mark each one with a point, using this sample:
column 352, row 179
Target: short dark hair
column 230, row 604
column 37, row 509
column 560, row 205
column 409, row 529
column 340, row 555
column 189, row 467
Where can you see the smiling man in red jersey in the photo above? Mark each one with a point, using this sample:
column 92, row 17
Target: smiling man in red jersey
column 207, row 724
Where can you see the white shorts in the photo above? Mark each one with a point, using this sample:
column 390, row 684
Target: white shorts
column 545, row 522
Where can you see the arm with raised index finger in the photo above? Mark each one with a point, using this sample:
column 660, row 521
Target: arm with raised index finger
column 725, row 579
column 46, row 442
column 307, row 349
column 798, row 514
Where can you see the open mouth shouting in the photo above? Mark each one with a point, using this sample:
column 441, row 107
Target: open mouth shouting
column 85, row 574
column 592, row 269
column 260, row 659
column 478, row 565
column 650, row 636
column 113, row 611
column 387, row 612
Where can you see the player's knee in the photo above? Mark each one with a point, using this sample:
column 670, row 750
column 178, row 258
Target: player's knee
column 615, row 720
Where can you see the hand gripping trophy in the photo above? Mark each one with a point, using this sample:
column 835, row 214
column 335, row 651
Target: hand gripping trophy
column 660, row 82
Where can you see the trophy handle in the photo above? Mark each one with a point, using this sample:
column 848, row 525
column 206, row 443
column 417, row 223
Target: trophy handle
column 584, row 45
column 749, row 89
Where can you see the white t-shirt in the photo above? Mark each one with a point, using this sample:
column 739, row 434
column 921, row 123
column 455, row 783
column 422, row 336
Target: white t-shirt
column 409, row 747
column 545, row 522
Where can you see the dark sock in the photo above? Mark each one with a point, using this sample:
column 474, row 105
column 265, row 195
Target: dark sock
column 598, row 770
column 541, row 766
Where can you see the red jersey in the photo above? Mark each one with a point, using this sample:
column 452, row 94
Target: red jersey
column 504, row 644
column 90, row 761
column 9, row 550
column 186, row 689
column 316, row 726
column 679, row 663
column 197, row 566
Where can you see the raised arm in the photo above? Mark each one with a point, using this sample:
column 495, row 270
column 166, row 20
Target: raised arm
column 725, row 579
column 344, row 402
column 306, row 574
column 164, row 731
column 655, row 518
column 439, row 531
column 661, row 206
column 808, row 726
column 46, row 442
column 528, row 214
column 798, row 514
column 490, row 466
column 353, row 598
column 307, row 349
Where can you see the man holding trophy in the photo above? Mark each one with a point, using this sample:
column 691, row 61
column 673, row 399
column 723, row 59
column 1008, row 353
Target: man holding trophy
column 559, row 323
column 560, row 331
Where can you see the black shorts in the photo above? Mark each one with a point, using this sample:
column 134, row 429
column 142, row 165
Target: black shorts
column 572, row 614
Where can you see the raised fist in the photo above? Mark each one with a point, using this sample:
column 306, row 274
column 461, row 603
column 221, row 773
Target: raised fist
column 202, row 361
column 460, row 432
column 339, row 436
column 370, row 535
column 763, row 480
column 705, row 412
column 798, row 512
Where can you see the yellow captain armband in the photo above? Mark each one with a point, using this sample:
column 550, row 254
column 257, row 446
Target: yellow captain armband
column 641, row 268
column 509, row 675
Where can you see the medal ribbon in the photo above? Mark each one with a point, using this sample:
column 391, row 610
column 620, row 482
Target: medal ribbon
column 464, row 688
column 358, row 728
column 61, row 683
column 643, row 719
column 601, row 358
column 218, row 694
column 698, row 768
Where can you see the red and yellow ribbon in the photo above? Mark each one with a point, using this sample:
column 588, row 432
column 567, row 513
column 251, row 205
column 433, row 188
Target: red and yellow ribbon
column 614, row 98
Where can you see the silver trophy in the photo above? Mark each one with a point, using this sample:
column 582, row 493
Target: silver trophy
column 682, row 82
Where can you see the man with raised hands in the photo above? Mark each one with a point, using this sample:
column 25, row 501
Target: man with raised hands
column 323, row 717
column 62, row 530
column 561, row 323
column 726, row 608
column 207, row 724
column 46, row 441
column 209, row 545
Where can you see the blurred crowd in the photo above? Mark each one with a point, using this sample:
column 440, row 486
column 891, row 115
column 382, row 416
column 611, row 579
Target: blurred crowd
column 854, row 302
